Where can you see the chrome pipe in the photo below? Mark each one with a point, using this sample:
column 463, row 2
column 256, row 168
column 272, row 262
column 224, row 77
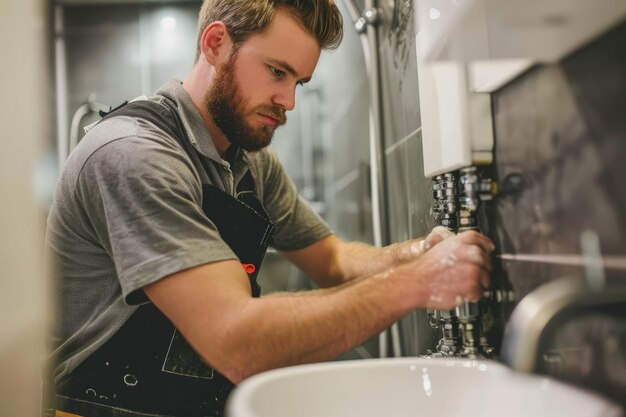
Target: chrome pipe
column 366, row 26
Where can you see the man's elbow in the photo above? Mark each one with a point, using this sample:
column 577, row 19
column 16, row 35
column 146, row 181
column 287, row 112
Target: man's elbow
column 233, row 358
column 234, row 375
column 238, row 369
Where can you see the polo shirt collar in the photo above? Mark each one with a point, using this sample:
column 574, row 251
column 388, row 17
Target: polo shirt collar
column 193, row 123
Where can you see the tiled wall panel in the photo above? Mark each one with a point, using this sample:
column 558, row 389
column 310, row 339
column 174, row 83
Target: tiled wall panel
column 119, row 52
column 409, row 196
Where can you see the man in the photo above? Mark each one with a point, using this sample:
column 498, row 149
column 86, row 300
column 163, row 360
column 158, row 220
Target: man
column 163, row 213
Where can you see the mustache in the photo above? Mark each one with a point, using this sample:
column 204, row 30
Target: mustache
column 275, row 112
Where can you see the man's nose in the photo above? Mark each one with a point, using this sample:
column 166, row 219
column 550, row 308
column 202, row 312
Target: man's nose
column 286, row 98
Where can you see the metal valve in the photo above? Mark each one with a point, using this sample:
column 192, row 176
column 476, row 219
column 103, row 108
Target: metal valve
column 457, row 198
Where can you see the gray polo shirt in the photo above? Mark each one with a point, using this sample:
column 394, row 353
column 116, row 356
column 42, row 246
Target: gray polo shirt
column 127, row 212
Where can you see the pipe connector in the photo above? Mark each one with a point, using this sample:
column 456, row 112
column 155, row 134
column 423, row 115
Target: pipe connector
column 370, row 16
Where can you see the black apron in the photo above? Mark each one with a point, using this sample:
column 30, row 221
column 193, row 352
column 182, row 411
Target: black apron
column 147, row 367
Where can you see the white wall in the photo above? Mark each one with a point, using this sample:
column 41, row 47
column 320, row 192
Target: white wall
column 24, row 79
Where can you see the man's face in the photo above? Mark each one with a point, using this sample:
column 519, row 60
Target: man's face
column 253, row 90
column 229, row 108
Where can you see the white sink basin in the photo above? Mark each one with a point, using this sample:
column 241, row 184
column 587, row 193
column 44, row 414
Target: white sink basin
column 411, row 387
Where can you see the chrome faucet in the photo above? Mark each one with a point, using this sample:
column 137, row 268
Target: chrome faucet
column 542, row 311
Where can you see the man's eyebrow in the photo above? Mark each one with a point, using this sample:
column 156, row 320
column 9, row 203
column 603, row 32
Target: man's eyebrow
column 289, row 69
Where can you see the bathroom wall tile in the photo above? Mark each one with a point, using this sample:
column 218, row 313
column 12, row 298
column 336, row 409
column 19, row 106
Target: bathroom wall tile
column 400, row 95
column 408, row 192
column 288, row 147
column 398, row 194
column 353, row 209
column 350, row 136
column 417, row 335
column 119, row 52
column 102, row 46
column 171, row 51
column 420, row 190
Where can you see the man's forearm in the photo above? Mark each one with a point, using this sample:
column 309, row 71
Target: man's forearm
column 355, row 259
column 294, row 328
column 288, row 329
column 241, row 336
column 332, row 261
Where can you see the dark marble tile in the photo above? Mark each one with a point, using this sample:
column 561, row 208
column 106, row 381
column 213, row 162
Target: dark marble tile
column 527, row 276
column 560, row 154
column 597, row 77
column 560, row 160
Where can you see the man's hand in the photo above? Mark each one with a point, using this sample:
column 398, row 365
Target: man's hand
column 412, row 249
column 453, row 270
column 438, row 234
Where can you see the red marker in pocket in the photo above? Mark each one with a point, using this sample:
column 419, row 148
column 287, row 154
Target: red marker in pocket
column 249, row 268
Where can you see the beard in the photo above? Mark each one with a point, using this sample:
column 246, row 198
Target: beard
column 227, row 106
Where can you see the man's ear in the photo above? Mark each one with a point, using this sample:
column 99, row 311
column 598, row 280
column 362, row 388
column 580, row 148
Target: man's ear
column 215, row 43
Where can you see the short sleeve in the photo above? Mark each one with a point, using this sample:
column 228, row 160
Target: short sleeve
column 297, row 224
column 143, row 198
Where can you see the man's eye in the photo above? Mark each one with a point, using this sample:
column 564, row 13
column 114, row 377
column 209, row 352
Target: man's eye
column 276, row 72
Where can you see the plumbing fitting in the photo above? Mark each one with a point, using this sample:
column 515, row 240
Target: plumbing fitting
column 457, row 197
column 473, row 189
column 370, row 16
column 445, row 192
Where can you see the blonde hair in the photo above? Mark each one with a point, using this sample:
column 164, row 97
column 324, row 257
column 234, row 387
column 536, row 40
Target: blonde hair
column 244, row 18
